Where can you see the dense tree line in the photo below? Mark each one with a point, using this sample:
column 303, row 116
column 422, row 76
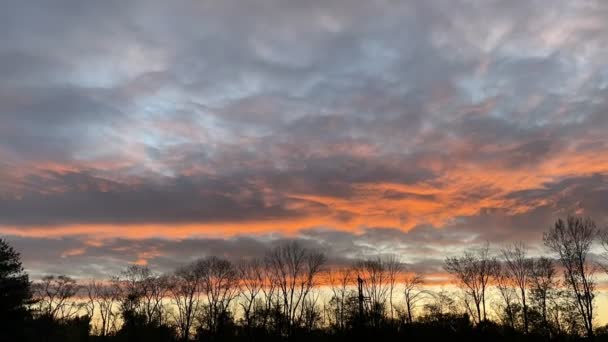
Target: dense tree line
column 293, row 294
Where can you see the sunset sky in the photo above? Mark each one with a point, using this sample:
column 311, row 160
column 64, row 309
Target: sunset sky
column 156, row 132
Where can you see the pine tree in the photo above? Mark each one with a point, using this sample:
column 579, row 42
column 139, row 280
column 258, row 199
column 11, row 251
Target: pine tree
column 15, row 293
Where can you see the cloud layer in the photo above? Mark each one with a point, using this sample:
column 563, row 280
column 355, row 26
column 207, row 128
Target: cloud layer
column 155, row 131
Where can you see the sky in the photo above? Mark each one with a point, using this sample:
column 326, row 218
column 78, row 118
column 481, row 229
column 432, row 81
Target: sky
column 156, row 132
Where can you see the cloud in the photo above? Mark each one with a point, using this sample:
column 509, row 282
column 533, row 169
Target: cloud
column 82, row 257
column 165, row 130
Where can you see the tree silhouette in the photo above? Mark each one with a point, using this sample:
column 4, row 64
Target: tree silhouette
column 544, row 287
column 412, row 294
column 341, row 281
column 294, row 269
column 102, row 299
column 252, row 276
column 376, row 287
column 219, row 286
column 185, row 296
column 55, row 297
column 519, row 268
column 292, row 295
column 473, row 270
column 15, row 294
column 571, row 240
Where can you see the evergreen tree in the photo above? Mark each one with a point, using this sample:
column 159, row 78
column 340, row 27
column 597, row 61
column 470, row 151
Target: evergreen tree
column 15, row 294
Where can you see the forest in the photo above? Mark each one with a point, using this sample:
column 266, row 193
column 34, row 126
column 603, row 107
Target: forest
column 293, row 293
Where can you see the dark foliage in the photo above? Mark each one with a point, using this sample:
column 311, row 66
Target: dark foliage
column 48, row 329
column 15, row 294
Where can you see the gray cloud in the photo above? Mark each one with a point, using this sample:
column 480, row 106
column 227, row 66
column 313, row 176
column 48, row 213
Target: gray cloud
column 462, row 121
column 79, row 257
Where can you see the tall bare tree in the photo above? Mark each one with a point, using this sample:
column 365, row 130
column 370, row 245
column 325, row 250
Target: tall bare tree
column 340, row 281
column 508, row 294
column 103, row 298
column 270, row 297
column 294, row 269
column 142, row 293
column 311, row 315
column 394, row 269
column 252, row 277
column 376, row 286
column 185, row 297
column 603, row 237
column 473, row 270
column 412, row 293
column 155, row 290
column 219, row 285
column 543, row 283
column 131, row 284
column 55, row 297
column 572, row 240
column 519, row 267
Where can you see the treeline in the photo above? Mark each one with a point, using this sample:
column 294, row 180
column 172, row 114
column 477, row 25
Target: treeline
column 293, row 294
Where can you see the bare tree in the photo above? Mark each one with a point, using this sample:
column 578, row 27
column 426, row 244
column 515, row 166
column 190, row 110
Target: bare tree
column 412, row 293
column 508, row 294
column 131, row 284
column 185, row 297
column 376, row 286
column 219, row 285
column 543, row 282
column 473, row 270
column 441, row 303
column 55, row 297
column 142, row 293
column 603, row 237
column 311, row 314
column 155, row 290
column 102, row 299
column 252, row 276
column 271, row 300
column 394, row 269
column 294, row 269
column 519, row 267
column 340, row 281
column 571, row 240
